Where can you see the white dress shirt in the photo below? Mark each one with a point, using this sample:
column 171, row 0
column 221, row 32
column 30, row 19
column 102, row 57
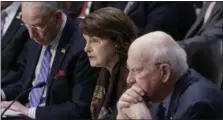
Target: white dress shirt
column 11, row 11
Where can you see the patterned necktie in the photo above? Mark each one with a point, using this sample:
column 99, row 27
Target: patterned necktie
column 161, row 112
column 3, row 16
column 36, row 94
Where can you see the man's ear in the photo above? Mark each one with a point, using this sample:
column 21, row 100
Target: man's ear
column 165, row 72
column 58, row 15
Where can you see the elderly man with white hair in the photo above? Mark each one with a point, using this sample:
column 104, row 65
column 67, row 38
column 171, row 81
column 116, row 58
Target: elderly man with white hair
column 162, row 85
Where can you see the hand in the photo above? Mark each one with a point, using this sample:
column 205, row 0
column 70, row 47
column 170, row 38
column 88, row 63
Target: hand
column 17, row 107
column 137, row 111
column 130, row 96
column 121, row 116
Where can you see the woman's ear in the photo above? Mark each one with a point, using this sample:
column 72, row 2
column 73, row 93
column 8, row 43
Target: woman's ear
column 165, row 72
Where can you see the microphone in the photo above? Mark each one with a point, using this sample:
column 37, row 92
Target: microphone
column 41, row 84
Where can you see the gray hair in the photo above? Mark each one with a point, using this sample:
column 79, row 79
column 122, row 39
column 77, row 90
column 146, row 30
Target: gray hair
column 47, row 7
column 174, row 55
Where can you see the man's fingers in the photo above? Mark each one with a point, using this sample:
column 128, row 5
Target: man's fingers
column 137, row 90
column 128, row 98
column 5, row 104
column 134, row 96
column 123, row 104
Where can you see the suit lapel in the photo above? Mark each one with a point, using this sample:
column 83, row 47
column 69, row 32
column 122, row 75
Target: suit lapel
column 62, row 49
column 154, row 109
column 198, row 23
column 59, row 56
column 13, row 28
column 133, row 7
column 70, row 37
column 213, row 12
column 182, row 84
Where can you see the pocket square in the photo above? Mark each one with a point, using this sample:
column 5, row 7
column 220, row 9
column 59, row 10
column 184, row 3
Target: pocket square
column 60, row 73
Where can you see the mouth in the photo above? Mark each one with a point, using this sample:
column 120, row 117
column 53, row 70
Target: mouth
column 90, row 57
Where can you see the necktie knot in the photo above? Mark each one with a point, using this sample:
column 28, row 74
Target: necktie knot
column 47, row 52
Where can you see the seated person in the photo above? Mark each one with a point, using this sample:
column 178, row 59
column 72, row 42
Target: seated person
column 108, row 32
column 55, row 56
column 159, row 74
column 204, row 41
column 13, row 39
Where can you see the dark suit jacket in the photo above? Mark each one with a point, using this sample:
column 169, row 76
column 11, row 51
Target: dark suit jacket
column 174, row 18
column 71, row 81
column 194, row 97
column 203, row 43
column 12, row 45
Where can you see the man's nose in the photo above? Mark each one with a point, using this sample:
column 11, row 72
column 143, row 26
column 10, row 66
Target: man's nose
column 130, row 79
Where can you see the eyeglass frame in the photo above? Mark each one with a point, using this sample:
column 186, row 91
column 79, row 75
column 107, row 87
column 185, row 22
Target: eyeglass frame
column 36, row 27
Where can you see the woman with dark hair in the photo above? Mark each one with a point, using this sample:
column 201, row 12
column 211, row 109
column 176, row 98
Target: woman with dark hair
column 108, row 33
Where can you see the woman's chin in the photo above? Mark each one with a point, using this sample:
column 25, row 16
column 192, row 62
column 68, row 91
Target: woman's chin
column 94, row 65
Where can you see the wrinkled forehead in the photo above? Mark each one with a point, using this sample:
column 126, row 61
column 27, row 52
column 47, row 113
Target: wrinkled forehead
column 32, row 14
column 135, row 59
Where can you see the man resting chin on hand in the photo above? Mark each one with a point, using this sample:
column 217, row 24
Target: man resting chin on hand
column 159, row 73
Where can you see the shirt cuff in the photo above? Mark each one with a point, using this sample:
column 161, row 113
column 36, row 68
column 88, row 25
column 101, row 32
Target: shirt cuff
column 3, row 95
column 32, row 113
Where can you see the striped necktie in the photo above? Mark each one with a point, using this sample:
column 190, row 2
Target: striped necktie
column 36, row 94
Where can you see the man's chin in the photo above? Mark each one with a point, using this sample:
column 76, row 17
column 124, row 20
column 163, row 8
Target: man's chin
column 40, row 42
column 151, row 99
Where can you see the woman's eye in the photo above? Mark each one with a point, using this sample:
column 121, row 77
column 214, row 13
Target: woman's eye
column 94, row 40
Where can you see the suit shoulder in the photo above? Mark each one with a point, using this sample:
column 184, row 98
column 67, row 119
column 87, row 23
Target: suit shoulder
column 200, row 97
column 201, row 91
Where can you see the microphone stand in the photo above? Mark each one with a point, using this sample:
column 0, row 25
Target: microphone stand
column 37, row 86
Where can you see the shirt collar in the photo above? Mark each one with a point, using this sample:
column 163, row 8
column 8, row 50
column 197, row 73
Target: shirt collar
column 12, row 8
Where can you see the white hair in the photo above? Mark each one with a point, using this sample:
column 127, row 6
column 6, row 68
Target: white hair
column 47, row 7
column 163, row 49
column 174, row 55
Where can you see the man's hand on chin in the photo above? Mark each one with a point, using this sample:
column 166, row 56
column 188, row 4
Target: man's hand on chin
column 17, row 107
column 137, row 111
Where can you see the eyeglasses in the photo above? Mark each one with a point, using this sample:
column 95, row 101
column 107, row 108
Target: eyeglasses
column 37, row 28
column 34, row 27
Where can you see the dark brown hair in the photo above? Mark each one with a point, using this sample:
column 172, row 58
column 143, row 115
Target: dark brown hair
column 113, row 24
